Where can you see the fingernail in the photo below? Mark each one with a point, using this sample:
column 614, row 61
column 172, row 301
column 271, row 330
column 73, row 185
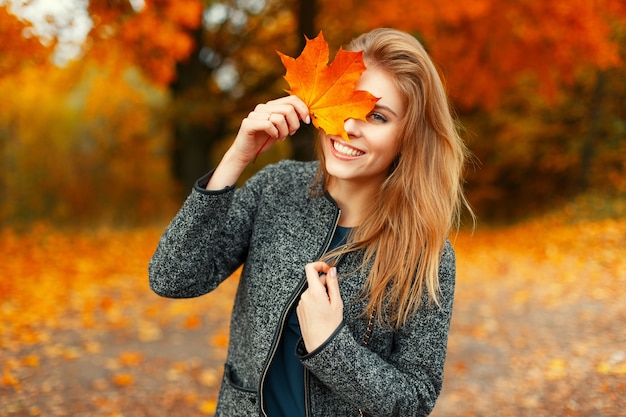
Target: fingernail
column 307, row 120
column 333, row 272
column 292, row 133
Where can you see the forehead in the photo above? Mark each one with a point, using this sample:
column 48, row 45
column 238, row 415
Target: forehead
column 380, row 84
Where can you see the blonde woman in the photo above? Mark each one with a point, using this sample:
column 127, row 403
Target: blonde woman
column 345, row 298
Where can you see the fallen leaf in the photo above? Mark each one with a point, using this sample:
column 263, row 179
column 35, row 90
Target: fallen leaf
column 31, row 361
column 219, row 340
column 193, row 322
column 8, row 378
column 123, row 379
column 209, row 378
column 208, row 407
column 557, row 369
column 130, row 358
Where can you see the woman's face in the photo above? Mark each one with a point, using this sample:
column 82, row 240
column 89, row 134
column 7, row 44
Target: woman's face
column 374, row 142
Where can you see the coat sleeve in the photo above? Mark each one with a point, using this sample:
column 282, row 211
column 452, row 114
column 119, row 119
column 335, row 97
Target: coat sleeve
column 410, row 380
column 206, row 241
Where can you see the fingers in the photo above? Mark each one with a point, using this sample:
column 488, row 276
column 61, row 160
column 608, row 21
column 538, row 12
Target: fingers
column 320, row 309
column 323, row 279
column 301, row 109
column 266, row 124
column 332, row 286
column 281, row 117
column 316, row 281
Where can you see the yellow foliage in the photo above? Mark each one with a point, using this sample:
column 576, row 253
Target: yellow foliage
column 83, row 143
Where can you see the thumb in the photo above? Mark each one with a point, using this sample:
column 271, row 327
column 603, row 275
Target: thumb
column 332, row 286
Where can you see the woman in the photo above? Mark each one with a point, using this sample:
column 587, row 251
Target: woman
column 345, row 297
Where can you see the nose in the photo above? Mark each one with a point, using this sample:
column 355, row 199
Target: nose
column 351, row 127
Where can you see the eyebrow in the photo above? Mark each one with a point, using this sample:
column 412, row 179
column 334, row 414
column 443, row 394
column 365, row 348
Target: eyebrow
column 387, row 108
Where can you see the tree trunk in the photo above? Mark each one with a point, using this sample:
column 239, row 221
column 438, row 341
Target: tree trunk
column 190, row 156
column 192, row 140
column 303, row 142
column 587, row 151
column 195, row 137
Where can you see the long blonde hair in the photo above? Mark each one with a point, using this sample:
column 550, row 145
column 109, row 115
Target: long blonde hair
column 422, row 197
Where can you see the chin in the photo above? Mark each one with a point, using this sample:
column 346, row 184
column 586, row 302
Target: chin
column 336, row 169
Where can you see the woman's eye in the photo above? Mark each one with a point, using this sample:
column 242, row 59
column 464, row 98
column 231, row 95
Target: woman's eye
column 377, row 117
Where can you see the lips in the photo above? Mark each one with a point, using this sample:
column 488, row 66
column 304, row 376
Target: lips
column 346, row 150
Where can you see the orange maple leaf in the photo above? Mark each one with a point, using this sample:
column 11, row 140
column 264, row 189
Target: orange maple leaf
column 328, row 90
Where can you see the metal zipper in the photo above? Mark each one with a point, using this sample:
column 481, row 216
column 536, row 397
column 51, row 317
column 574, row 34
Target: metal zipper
column 284, row 318
column 275, row 343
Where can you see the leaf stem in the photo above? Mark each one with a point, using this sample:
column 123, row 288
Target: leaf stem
column 261, row 148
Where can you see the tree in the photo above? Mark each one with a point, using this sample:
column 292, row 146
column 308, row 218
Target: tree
column 153, row 38
column 484, row 47
column 234, row 67
column 225, row 66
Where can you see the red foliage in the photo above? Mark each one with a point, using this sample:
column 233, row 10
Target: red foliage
column 485, row 46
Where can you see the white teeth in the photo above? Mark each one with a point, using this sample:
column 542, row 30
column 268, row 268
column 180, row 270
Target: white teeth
column 346, row 150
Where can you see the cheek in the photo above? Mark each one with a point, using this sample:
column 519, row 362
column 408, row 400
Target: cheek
column 390, row 146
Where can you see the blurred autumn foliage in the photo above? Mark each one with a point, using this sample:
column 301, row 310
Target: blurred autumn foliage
column 119, row 131
column 98, row 147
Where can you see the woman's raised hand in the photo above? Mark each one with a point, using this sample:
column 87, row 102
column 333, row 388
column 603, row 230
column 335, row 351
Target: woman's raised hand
column 267, row 123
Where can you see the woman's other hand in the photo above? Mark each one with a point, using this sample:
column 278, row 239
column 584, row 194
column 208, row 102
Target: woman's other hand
column 320, row 310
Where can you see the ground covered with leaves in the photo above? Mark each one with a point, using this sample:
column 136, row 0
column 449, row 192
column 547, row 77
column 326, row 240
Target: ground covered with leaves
column 538, row 326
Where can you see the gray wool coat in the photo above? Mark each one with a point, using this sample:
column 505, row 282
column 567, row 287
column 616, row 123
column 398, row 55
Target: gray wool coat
column 274, row 226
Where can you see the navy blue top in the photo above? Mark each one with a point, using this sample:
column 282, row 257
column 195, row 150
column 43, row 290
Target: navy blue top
column 283, row 391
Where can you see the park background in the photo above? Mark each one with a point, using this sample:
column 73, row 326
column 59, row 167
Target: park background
column 109, row 109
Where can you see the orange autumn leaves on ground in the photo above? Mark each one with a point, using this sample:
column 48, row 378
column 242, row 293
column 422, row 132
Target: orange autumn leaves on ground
column 80, row 300
column 328, row 90
column 54, row 280
column 93, row 285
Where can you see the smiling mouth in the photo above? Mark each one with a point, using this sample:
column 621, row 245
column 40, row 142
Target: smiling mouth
column 346, row 150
